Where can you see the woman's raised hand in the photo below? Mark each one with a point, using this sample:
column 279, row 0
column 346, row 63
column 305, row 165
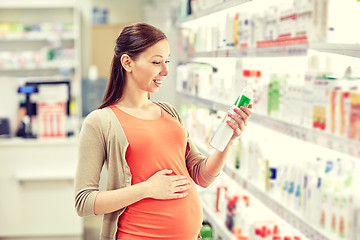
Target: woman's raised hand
column 161, row 185
column 239, row 121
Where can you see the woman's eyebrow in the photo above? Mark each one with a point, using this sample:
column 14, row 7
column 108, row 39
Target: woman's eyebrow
column 160, row 55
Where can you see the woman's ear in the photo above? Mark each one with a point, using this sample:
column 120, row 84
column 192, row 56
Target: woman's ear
column 126, row 62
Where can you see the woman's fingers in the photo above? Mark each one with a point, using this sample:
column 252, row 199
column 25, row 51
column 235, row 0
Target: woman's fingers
column 180, row 184
column 239, row 120
column 179, row 180
column 167, row 186
column 240, row 116
column 181, row 187
column 179, row 195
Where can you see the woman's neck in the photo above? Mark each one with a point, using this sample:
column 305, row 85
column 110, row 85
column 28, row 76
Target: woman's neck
column 133, row 96
column 134, row 101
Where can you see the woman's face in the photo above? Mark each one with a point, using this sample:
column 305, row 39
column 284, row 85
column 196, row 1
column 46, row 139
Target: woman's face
column 151, row 67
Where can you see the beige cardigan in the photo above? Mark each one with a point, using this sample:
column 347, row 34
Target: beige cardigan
column 102, row 141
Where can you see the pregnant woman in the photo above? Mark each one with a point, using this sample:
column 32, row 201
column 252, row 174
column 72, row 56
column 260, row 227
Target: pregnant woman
column 152, row 165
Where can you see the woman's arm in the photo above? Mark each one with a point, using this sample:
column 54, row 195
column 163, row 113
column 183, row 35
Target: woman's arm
column 91, row 157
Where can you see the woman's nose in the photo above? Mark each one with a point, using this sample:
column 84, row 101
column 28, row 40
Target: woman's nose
column 164, row 70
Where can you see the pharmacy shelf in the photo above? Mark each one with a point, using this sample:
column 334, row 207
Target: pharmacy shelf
column 203, row 101
column 315, row 136
column 297, row 46
column 37, row 37
column 38, row 4
column 213, row 9
column 46, row 66
column 282, row 211
column 307, row 229
column 218, row 226
column 67, row 64
column 291, row 49
column 352, row 50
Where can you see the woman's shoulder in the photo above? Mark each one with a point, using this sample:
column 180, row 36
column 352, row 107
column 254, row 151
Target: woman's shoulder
column 98, row 116
column 169, row 108
column 98, row 113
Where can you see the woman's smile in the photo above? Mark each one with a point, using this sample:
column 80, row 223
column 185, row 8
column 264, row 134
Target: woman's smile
column 158, row 82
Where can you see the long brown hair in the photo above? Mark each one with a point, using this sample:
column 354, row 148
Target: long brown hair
column 133, row 40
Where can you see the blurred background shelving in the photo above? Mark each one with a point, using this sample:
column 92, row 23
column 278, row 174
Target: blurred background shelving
column 276, row 48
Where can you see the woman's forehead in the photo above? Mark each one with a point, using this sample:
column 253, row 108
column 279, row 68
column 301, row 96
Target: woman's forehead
column 159, row 49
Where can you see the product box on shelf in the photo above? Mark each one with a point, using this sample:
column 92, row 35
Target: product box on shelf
column 271, row 30
column 258, row 27
column 244, row 30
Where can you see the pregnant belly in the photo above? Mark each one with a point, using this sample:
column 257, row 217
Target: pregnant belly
column 162, row 219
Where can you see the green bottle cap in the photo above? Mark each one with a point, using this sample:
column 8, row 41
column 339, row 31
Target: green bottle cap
column 206, row 232
column 242, row 101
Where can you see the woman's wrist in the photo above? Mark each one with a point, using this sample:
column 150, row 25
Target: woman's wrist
column 144, row 190
column 231, row 143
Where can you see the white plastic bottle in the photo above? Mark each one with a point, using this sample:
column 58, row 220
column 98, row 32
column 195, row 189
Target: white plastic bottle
column 224, row 132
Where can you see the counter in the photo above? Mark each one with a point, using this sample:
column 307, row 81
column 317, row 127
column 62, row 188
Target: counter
column 37, row 194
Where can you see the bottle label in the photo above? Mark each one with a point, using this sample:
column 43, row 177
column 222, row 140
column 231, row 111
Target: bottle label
column 244, row 101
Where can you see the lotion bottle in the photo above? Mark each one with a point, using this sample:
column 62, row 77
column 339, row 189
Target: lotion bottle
column 224, row 132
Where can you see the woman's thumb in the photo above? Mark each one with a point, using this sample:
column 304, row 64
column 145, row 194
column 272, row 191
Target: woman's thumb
column 165, row 171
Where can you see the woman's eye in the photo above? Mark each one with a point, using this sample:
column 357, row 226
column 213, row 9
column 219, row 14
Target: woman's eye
column 159, row 62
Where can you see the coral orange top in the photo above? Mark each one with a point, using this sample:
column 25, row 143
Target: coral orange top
column 155, row 145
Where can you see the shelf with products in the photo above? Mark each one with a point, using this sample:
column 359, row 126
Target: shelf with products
column 43, row 66
column 40, row 33
column 217, row 36
column 319, row 137
column 308, row 182
column 213, row 219
column 285, row 50
column 283, row 211
column 301, row 223
column 49, row 44
column 269, row 29
column 37, row 37
column 206, row 10
column 37, row 4
column 260, row 211
column 40, row 44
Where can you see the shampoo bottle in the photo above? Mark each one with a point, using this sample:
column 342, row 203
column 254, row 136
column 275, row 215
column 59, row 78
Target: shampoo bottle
column 224, row 132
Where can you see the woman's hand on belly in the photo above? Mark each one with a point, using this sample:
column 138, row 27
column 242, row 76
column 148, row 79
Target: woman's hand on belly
column 161, row 185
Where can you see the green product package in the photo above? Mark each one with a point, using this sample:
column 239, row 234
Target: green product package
column 244, row 101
